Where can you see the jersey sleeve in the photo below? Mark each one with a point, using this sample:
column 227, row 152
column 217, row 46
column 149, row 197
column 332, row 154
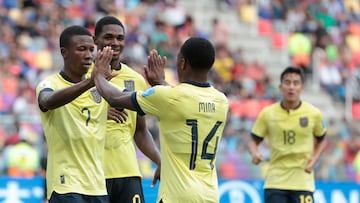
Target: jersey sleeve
column 320, row 126
column 152, row 101
column 45, row 84
column 259, row 129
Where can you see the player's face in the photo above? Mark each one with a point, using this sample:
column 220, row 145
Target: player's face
column 112, row 35
column 291, row 87
column 80, row 53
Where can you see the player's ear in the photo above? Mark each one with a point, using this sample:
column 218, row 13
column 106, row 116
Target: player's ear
column 95, row 40
column 183, row 63
column 63, row 52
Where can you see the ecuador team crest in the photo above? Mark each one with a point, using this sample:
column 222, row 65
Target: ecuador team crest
column 304, row 122
column 95, row 95
column 129, row 85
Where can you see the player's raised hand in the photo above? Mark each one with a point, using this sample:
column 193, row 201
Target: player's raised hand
column 154, row 72
column 102, row 64
column 257, row 158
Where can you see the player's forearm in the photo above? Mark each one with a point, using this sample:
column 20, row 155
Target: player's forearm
column 253, row 147
column 55, row 99
column 112, row 94
column 147, row 146
column 319, row 148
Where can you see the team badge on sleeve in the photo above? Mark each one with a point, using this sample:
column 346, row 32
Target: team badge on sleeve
column 323, row 123
column 304, row 121
column 148, row 92
column 45, row 84
column 95, row 95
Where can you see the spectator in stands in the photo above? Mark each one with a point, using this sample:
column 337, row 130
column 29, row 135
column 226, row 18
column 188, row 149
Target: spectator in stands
column 220, row 33
column 22, row 159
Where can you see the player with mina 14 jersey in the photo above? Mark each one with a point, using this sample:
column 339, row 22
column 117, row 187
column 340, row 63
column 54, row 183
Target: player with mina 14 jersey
column 191, row 117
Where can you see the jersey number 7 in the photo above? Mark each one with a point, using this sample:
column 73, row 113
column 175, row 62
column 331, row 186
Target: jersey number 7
column 194, row 144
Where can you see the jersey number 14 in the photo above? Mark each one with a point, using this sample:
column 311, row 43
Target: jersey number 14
column 194, row 144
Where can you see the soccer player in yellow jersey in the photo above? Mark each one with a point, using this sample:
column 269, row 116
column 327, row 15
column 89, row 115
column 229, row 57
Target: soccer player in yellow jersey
column 296, row 131
column 74, row 120
column 122, row 172
column 191, row 117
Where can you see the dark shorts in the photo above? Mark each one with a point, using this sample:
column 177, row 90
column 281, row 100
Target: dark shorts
column 125, row 190
column 288, row 196
column 77, row 198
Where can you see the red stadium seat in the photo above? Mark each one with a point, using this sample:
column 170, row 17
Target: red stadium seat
column 356, row 110
column 279, row 40
column 252, row 108
column 237, row 108
column 354, row 28
column 264, row 27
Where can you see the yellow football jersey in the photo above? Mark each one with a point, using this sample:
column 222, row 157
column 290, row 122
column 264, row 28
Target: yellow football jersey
column 191, row 121
column 291, row 138
column 120, row 158
column 75, row 134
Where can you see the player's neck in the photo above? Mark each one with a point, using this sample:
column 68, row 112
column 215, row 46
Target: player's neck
column 116, row 65
column 194, row 77
column 288, row 105
column 69, row 76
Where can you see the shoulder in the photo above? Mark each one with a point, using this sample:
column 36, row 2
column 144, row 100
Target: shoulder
column 129, row 70
column 48, row 81
column 272, row 107
column 310, row 107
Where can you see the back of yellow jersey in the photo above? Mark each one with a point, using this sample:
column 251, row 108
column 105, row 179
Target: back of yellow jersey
column 75, row 134
column 191, row 121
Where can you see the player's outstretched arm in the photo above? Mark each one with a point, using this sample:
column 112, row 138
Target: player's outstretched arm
column 53, row 99
column 101, row 74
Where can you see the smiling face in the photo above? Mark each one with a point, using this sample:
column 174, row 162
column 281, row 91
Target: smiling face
column 291, row 87
column 112, row 35
column 78, row 56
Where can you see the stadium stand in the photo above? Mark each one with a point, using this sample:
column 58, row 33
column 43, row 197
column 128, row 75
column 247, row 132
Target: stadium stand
column 253, row 35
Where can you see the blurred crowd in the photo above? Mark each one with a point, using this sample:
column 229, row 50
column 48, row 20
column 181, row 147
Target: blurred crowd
column 330, row 30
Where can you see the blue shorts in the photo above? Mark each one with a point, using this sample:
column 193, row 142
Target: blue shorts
column 288, row 196
column 77, row 198
column 125, row 190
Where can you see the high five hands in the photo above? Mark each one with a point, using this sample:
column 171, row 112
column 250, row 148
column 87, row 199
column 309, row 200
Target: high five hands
column 102, row 66
column 154, row 72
